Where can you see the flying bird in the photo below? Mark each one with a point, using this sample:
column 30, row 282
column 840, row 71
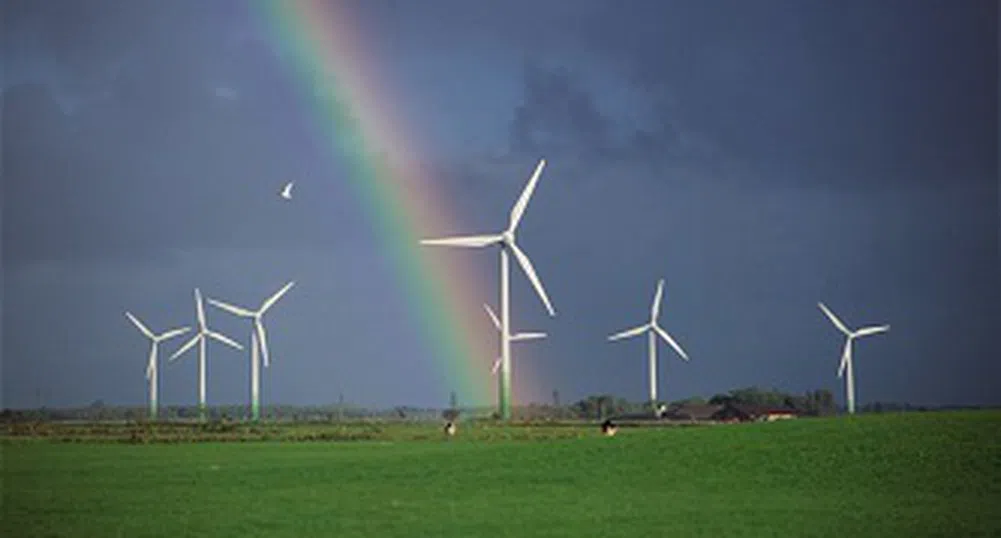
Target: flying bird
column 287, row 191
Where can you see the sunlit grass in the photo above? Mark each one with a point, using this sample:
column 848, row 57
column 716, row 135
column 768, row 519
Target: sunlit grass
column 920, row 474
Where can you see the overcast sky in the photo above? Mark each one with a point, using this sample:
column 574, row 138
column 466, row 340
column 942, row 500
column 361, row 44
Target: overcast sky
column 760, row 156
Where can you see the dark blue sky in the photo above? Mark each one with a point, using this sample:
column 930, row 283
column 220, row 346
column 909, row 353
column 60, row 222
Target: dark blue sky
column 760, row 156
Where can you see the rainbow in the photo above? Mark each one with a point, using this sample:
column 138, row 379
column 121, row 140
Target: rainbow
column 325, row 49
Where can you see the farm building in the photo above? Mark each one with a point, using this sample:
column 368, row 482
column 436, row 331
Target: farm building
column 751, row 413
column 693, row 412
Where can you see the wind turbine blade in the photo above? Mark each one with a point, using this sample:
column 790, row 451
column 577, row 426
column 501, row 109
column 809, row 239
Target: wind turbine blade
column 274, row 298
column 464, row 241
column 235, row 310
column 200, row 308
column 526, row 265
column 834, row 319
column 663, row 334
column 845, row 357
column 262, row 341
column 142, row 328
column 497, row 364
column 493, row 317
column 224, row 339
column 519, row 207
column 527, row 336
column 630, row 332
column 188, row 345
column 172, row 333
column 655, row 309
column 866, row 331
column 152, row 361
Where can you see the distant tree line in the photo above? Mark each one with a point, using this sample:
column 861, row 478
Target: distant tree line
column 812, row 403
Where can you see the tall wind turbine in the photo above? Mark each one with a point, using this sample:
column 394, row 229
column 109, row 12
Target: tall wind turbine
column 846, row 355
column 151, row 369
column 258, row 342
column 514, row 338
column 506, row 241
column 201, row 338
column 653, row 330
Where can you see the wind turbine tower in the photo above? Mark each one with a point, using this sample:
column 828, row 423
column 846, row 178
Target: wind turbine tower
column 506, row 241
column 151, row 366
column 653, row 330
column 258, row 342
column 846, row 355
column 201, row 338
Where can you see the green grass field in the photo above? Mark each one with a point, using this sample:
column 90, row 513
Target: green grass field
column 907, row 475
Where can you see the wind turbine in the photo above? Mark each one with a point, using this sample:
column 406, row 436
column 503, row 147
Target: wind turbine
column 653, row 329
column 846, row 355
column 258, row 342
column 506, row 241
column 151, row 369
column 201, row 338
column 514, row 338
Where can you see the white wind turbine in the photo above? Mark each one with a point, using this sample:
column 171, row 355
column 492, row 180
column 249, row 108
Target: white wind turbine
column 201, row 338
column 846, row 355
column 506, row 241
column 514, row 338
column 653, row 329
column 151, row 366
column 258, row 341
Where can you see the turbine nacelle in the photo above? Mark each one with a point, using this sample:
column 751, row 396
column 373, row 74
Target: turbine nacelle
column 204, row 332
column 850, row 336
column 155, row 340
column 506, row 239
column 257, row 316
column 653, row 325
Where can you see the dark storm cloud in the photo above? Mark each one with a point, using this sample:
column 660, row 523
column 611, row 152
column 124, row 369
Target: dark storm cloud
column 557, row 115
column 819, row 92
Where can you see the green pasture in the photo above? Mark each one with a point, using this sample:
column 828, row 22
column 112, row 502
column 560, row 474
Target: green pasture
column 907, row 475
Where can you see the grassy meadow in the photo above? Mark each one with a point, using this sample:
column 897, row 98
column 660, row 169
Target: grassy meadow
column 881, row 475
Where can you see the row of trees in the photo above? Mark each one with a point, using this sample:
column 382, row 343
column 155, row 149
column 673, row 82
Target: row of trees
column 812, row 403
